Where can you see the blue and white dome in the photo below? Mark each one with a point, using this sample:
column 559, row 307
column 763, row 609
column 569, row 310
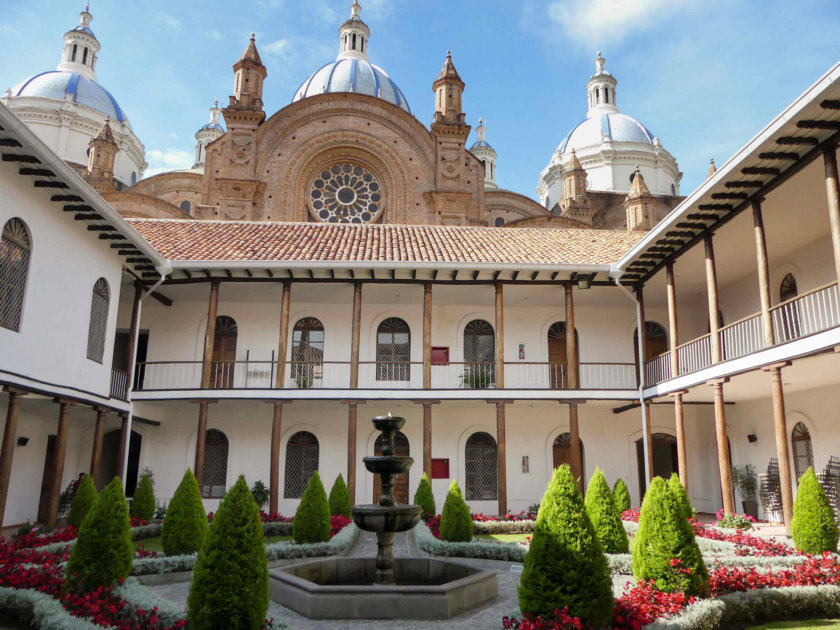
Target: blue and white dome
column 606, row 128
column 352, row 71
column 353, row 75
column 60, row 84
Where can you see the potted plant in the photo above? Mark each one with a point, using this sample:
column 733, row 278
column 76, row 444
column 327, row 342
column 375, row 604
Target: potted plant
column 746, row 482
column 260, row 493
column 304, row 381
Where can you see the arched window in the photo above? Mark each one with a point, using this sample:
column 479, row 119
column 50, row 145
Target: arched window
column 558, row 355
column 606, row 95
column 803, row 456
column 15, row 249
column 479, row 355
column 214, row 480
column 301, row 461
column 307, row 352
column 562, row 451
column 790, row 312
column 673, row 189
column 788, row 290
column 597, row 96
column 133, row 178
column 393, row 350
column 84, row 56
column 224, row 352
column 480, row 467
column 98, row 320
column 75, row 48
column 185, row 206
column 656, row 341
column 354, row 41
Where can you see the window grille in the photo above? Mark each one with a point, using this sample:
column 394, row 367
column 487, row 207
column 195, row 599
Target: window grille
column 479, row 354
column 214, row 480
column 98, row 320
column 393, row 350
column 307, row 351
column 15, row 249
column 301, row 461
column 481, row 467
column 803, row 456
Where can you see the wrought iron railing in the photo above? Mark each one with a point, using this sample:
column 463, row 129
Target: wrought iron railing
column 807, row 314
column 119, row 384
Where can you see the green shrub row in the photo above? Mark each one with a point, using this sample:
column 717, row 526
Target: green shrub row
column 185, row 524
column 456, row 523
column 340, row 498
column 487, row 528
column 312, row 519
column 813, row 527
column 425, row 498
column 510, row 552
column 82, row 501
column 606, row 519
column 143, row 503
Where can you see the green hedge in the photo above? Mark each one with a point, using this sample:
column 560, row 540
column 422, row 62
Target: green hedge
column 82, row 501
column 340, row 498
column 604, row 516
column 103, row 551
column 621, row 495
column 456, row 521
column 813, row 526
column 312, row 519
column 143, row 504
column 185, row 524
column 565, row 566
column 677, row 489
column 230, row 580
column 425, row 498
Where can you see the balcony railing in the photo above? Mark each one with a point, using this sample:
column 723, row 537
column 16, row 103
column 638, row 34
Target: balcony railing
column 806, row 314
column 119, row 382
column 187, row 375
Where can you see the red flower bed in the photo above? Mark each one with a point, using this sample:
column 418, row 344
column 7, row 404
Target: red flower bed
column 643, row 603
column 433, row 524
column 524, row 515
column 561, row 620
column 36, row 539
column 275, row 517
column 337, row 523
column 747, row 545
column 630, row 515
column 816, row 570
column 138, row 522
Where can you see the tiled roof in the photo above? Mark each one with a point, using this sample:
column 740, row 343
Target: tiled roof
column 318, row 242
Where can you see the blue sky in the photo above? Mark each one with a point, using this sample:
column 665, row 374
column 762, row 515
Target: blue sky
column 703, row 75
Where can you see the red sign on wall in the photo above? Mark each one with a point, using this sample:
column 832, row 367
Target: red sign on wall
column 440, row 468
column 440, row 355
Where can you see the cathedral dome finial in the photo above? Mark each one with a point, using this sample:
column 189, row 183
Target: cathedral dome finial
column 353, row 35
column 355, row 9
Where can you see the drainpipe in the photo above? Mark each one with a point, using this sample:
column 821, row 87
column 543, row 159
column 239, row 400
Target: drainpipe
column 163, row 270
column 616, row 276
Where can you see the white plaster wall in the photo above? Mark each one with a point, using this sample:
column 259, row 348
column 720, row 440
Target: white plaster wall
column 65, row 262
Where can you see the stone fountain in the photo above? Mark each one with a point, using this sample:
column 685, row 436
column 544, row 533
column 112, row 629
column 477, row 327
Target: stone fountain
column 382, row 587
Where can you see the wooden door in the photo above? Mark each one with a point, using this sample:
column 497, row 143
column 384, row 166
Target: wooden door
column 224, row 353
column 47, row 480
column 401, row 447
column 562, row 451
column 557, row 361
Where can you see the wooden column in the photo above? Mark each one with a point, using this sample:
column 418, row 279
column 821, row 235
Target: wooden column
column 210, row 335
column 427, row 438
column 352, row 422
column 58, row 469
column 780, row 425
column 500, row 341
column 284, row 334
column 573, row 378
column 679, row 422
column 723, row 446
column 427, row 337
column 714, row 306
column 123, row 447
column 574, row 438
column 7, row 452
column 200, row 441
column 673, row 329
column 355, row 335
column 649, row 438
column 832, row 190
column 132, row 334
column 763, row 273
column 641, row 335
column 501, row 456
column 274, row 467
column 98, row 432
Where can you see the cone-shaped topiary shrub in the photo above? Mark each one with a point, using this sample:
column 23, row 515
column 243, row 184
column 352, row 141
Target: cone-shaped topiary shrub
column 340, row 498
column 230, row 580
column 605, row 518
column 677, row 489
column 665, row 550
column 456, row 521
column 103, row 551
column 621, row 495
column 425, row 498
column 312, row 519
column 565, row 565
column 143, row 503
column 185, row 524
column 813, row 526
column 82, row 501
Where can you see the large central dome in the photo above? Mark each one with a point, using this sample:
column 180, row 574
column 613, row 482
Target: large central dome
column 352, row 71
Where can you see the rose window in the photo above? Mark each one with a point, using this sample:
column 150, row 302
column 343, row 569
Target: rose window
column 346, row 193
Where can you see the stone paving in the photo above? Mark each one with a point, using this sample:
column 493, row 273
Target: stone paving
column 486, row 616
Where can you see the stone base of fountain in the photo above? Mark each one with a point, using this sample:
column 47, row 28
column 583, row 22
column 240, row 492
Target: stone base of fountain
column 343, row 588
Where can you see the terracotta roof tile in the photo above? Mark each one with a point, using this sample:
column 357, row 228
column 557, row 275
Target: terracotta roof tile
column 316, row 242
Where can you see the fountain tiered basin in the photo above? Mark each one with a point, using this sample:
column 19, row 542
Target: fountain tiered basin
column 382, row 587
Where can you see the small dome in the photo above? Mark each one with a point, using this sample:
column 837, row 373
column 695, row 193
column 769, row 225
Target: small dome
column 353, row 75
column 606, row 127
column 58, row 84
column 214, row 126
column 480, row 143
column 83, row 29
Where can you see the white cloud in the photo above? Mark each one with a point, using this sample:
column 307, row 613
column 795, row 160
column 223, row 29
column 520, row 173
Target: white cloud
column 168, row 22
column 164, row 160
column 607, row 22
column 212, row 34
column 295, row 53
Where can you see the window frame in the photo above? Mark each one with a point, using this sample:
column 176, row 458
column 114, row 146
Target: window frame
column 15, row 235
column 100, row 306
